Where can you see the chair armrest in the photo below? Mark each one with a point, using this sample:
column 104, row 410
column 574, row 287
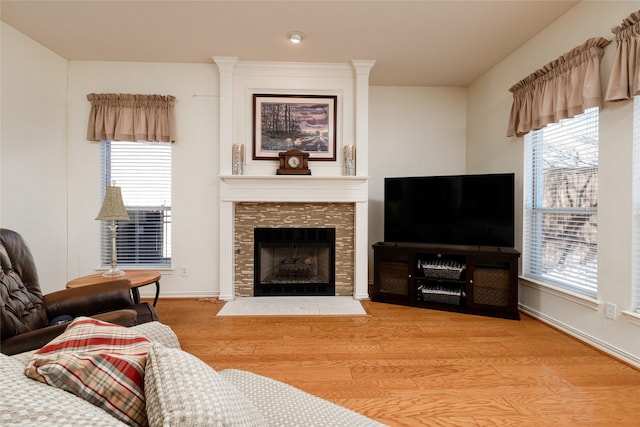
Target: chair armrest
column 31, row 340
column 89, row 300
column 39, row 337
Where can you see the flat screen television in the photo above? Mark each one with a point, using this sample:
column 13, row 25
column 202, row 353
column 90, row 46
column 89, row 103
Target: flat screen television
column 453, row 210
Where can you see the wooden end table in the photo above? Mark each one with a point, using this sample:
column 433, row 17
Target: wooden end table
column 136, row 277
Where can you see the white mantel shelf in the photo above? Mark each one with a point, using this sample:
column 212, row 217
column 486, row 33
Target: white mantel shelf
column 293, row 188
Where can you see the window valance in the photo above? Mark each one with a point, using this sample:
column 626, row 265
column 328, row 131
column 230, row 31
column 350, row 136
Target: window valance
column 624, row 81
column 126, row 117
column 561, row 89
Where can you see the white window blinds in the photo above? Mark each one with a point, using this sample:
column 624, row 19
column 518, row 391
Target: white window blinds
column 561, row 204
column 143, row 171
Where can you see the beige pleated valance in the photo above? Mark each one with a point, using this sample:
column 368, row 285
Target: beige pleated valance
column 624, row 81
column 126, row 117
column 561, row 89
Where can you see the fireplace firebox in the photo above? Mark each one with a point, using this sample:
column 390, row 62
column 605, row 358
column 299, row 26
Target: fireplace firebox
column 294, row 261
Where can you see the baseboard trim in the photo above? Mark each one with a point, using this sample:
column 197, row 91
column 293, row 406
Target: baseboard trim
column 164, row 294
column 588, row 339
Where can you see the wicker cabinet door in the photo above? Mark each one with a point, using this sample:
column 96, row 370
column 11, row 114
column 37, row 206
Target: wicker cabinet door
column 392, row 276
column 493, row 282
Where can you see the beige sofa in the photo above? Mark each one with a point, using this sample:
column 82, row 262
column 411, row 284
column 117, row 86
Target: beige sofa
column 180, row 390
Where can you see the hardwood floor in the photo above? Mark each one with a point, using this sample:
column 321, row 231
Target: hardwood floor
column 407, row 366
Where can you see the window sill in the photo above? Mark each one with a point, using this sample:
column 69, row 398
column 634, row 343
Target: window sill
column 583, row 300
column 162, row 270
column 631, row 317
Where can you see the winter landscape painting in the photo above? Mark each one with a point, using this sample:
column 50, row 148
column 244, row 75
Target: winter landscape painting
column 302, row 122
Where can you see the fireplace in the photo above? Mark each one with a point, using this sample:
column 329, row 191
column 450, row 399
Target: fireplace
column 294, row 261
column 251, row 215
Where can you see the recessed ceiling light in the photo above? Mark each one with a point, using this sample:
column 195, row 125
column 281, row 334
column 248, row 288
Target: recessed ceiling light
column 295, row 37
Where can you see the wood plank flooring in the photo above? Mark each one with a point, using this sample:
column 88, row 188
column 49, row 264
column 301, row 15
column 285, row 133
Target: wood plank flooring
column 407, row 366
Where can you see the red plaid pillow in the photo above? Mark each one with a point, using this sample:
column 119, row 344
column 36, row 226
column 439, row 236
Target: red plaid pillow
column 99, row 362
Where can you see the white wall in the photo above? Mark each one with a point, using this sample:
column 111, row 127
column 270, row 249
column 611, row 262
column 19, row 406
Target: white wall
column 413, row 131
column 33, row 147
column 489, row 150
column 194, row 167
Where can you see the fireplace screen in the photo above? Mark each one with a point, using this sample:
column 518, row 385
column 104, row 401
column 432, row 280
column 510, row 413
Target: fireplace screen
column 294, row 261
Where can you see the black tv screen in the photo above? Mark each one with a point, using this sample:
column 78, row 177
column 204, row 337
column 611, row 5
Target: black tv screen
column 455, row 210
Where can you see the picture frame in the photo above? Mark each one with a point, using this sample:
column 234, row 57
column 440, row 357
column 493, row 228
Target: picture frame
column 302, row 122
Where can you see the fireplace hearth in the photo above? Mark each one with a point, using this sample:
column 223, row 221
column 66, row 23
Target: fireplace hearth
column 294, row 261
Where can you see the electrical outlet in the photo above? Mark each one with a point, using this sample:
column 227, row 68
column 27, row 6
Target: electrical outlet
column 184, row 271
column 610, row 311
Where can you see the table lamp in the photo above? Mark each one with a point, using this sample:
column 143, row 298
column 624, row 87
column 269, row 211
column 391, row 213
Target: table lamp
column 112, row 210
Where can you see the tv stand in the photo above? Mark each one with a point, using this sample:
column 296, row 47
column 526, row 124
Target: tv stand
column 479, row 280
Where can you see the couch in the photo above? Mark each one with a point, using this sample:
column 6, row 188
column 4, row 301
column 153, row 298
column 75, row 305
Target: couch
column 180, row 391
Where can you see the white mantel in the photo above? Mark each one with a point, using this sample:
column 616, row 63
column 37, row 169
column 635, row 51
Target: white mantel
column 291, row 188
column 238, row 81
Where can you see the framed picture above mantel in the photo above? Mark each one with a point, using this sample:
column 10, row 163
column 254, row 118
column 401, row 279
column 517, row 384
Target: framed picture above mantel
column 301, row 122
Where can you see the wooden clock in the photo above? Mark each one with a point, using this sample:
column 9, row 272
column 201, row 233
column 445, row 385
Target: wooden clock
column 294, row 162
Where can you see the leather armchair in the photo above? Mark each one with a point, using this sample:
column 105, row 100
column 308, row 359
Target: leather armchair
column 26, row 314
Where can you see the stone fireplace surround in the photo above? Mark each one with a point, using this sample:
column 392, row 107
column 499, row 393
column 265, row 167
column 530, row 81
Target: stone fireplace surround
column 249, row 216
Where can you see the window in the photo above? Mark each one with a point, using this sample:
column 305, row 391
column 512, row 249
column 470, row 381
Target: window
column 561, row 204
column 636, row 200
column 143, row 171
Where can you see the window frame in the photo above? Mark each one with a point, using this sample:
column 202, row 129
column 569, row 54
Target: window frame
column 536, row 234
column 635, row 214
column 160, row 213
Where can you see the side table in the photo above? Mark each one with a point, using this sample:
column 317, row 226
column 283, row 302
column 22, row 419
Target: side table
column 137, row 278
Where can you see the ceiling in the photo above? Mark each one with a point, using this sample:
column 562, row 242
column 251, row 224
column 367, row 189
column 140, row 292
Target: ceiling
column 414, row 43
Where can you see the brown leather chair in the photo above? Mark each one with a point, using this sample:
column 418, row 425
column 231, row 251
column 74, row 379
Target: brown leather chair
column 29, row 319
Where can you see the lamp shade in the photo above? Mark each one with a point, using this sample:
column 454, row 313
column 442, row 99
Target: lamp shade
column 113, row 206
